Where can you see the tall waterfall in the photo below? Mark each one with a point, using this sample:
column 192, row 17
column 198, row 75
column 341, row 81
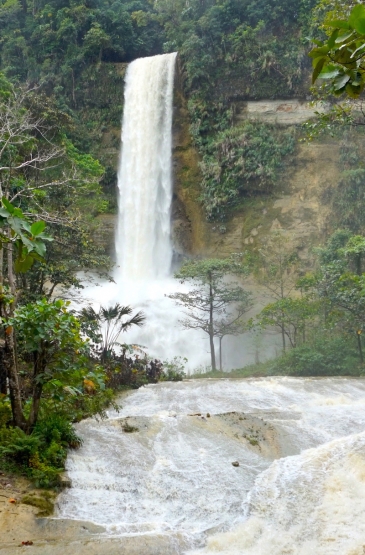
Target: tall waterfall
column 143, row 243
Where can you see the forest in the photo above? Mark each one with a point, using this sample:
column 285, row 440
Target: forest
column 57, row 58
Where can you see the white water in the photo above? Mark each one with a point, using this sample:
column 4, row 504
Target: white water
column 143, row 246
column 175, row 474
column 300, row 486
column 143, row 237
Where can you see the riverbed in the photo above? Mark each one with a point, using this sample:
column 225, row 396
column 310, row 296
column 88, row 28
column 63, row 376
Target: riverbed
column 161, row 468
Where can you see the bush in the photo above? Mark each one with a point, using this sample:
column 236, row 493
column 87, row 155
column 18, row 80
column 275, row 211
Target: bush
column 174, row 370
column 55, row 427
column 5, row 411
column 41, row 456
column 332, row 356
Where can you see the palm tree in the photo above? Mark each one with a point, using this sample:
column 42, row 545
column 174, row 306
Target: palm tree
column 105, row 326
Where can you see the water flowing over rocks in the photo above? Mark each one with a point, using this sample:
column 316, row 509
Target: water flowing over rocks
column 298, row 487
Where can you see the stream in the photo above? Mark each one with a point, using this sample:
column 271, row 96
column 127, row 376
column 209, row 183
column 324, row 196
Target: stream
column 163, row 465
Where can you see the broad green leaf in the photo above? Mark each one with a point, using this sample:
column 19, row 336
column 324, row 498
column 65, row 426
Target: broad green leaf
column 357, row 18
column 37, row 227
column 45, row 237
column 332, row 39
column 318, row 69
column 338, row 23
column 343, row 38
column 8, row 205
column 354, row 92
column 330, row 72
column 362, row 47
column 341, row 81
column 317, row 52
column 22, row 265
column 26, row 226
column 40, row 248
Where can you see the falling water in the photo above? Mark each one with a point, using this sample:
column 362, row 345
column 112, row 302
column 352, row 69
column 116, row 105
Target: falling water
column 143, row 277
column 143, row 244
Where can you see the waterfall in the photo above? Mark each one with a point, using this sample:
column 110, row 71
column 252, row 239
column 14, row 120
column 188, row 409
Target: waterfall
column 143, row 243
column 143, row 237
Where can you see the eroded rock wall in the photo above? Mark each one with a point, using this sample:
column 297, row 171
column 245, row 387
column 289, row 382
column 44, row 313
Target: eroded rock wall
column 296, row 207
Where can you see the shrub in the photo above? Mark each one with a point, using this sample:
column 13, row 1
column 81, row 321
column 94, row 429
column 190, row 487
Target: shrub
column 56, row 428
column 174, row 370
column 332, row 356
column 41, row 456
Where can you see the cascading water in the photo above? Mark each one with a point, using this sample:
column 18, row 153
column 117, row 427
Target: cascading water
column 143, row 244
column 299, row 488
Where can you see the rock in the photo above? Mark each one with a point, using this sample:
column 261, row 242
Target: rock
column 254, row 232
column 235, row 463
column 64, row 481
column 208, row 415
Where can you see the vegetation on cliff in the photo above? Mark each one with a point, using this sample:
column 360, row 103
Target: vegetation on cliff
column 75, row 54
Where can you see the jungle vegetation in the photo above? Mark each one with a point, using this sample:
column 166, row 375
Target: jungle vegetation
column 62, row 64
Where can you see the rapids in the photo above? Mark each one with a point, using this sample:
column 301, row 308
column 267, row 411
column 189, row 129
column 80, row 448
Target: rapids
column 299, row 487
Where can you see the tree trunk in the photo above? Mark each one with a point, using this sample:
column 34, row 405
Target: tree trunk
column 39, row 366
column 212, row 353
column 12, row 374
column 360, row 347
column 10, row 355
column 220, row 354
column 283, row 338
column 211, row 325
column 3, row 374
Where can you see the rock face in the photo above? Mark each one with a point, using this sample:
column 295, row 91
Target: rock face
column 281, row 112
column 296, row 208
column 105, row 233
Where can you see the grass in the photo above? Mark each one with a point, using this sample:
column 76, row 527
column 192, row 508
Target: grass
column 259, row 370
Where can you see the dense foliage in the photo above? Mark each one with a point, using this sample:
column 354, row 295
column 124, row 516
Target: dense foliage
column 229, row 51
column 322, row 315
column 340, row 58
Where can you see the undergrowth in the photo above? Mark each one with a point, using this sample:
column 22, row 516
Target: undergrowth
column 324, row 356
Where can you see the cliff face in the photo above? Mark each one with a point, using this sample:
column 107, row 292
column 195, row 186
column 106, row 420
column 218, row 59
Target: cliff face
column 296, row 206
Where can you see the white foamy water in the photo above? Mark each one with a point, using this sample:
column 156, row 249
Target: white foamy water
column 299, row 488
column 144, row 251
column 143, row 245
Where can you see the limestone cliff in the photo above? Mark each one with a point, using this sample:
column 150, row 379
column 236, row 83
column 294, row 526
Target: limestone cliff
column 295, row 207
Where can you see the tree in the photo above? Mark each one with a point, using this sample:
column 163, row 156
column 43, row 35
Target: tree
column 276, row 271
column 51, row 334
column 213, row 303
column 28, row 241
column 105, row 326
column 290, row 316
column 341, row 58
column 45, row 174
